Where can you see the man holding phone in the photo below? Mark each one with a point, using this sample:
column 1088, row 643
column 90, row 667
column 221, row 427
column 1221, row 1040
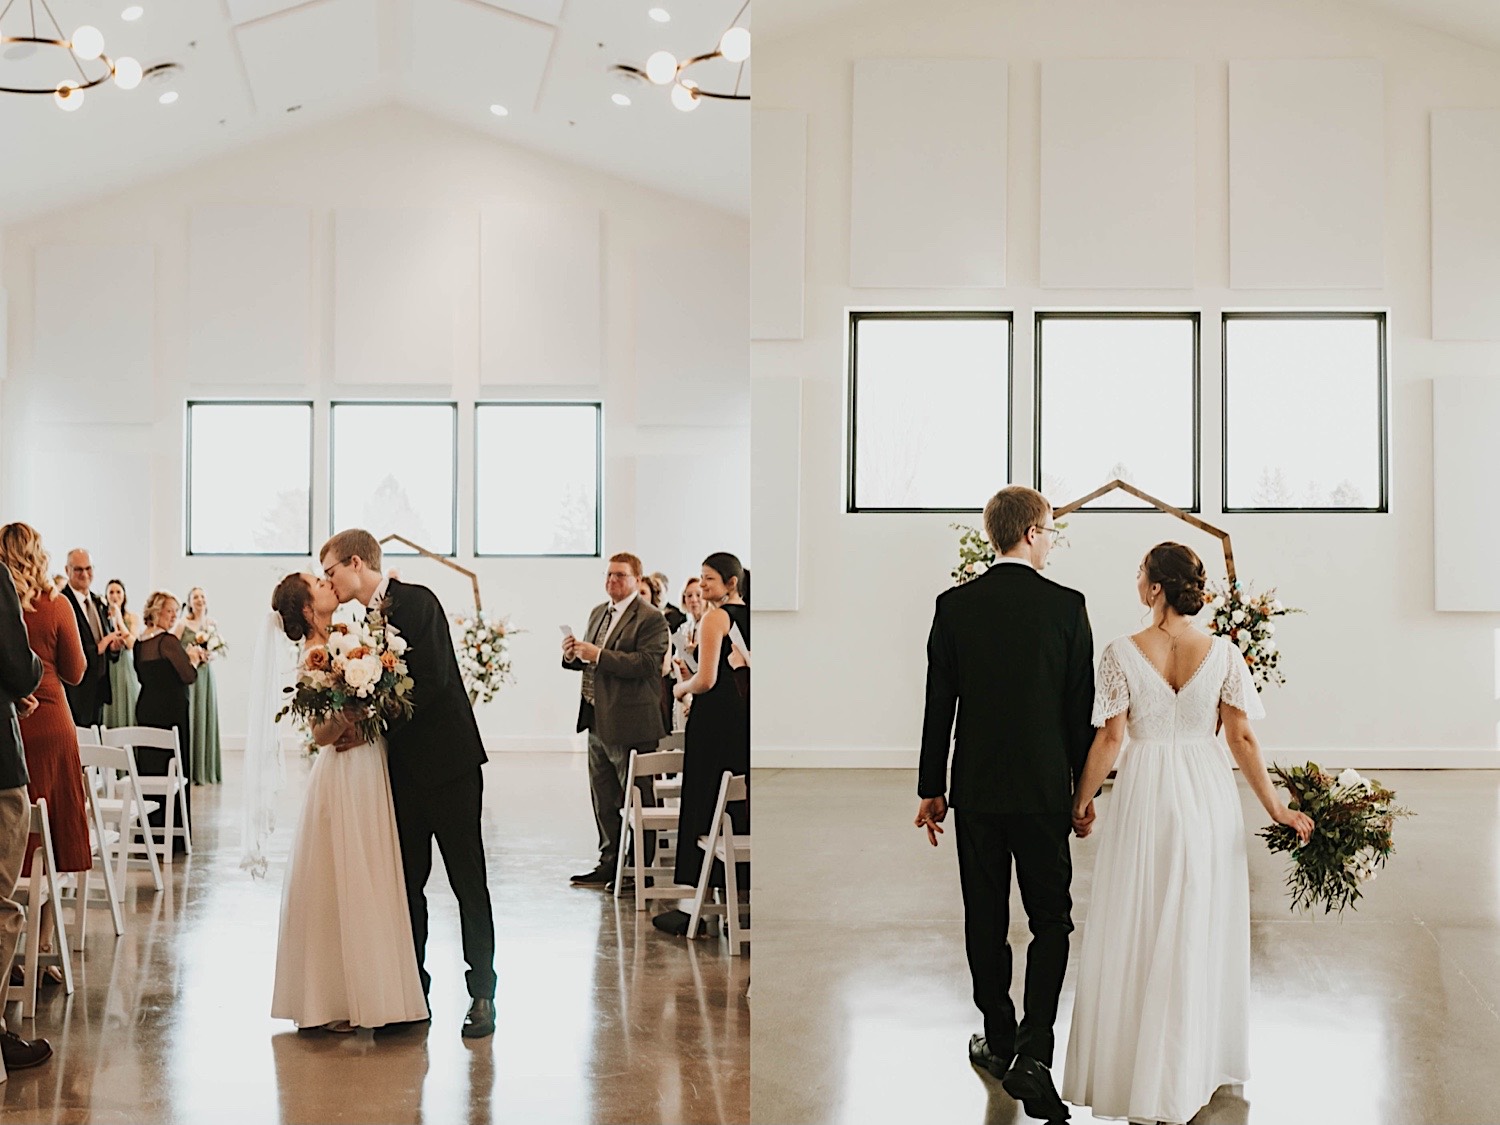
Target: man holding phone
column 621, row 661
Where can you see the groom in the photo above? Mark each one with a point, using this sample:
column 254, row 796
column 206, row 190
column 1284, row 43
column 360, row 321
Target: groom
column 434, row 759
column 1013, row 653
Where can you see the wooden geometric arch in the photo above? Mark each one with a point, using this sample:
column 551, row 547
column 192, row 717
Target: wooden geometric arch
column 1161, row 506
column 435, row 557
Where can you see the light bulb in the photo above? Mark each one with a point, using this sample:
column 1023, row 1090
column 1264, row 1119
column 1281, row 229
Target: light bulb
column 132, row 13
column 684, row 98
column 660, row 15
column 88, row 43
column 68, row 96
column 661, row 67
column 127, row 73
column 620, row 99
column 499, row 111
column 168, row 98
column 735, row 46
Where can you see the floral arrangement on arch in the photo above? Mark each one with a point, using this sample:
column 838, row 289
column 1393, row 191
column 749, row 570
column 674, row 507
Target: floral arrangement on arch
column 1247, row 620
column 1351, row 840
column 483, row 648
column 360, row 672
column 976, row 555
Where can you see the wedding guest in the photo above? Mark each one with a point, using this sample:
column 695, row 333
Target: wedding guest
column 675, row 617
column 59, row 581
column 21, row 674
column 197, row 630
column 621, row 664
column 718, row 730
column 166, row 670
column 123, row 686
column 685, row 639
column 101, row 646
column 650, row 588
column 48, row 734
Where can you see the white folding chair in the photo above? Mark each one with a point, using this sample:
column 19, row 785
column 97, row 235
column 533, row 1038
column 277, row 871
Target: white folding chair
column 122, row 811
column 172, row 788
column 724, row 845
column 640, row 818
column 42, row 887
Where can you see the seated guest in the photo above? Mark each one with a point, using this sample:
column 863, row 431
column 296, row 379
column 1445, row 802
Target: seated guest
column 675, row 617
column 123, row 686
column 165, row 670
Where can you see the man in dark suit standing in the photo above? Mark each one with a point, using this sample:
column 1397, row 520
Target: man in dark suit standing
column 434, row 760
column 621, row 661
column 20, row 673
column 1013, row 654
column 101, row 646
column 674, row 615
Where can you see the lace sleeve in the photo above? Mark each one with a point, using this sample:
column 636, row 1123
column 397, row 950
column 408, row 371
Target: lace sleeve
column 1111, row 692
column 1238, row 689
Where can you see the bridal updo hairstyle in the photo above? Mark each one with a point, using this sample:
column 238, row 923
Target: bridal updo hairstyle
column 292, row 596
column 1179, row 571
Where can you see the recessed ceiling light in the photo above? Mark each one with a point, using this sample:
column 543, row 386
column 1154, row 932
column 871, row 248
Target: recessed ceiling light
column 620, row 99
column 660, row 15
column 132, row 13
column 499, row 111
column 168, row 98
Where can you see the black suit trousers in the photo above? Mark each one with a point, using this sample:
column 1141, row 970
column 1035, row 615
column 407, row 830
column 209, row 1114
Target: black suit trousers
column 988, row 843
column 449, row 813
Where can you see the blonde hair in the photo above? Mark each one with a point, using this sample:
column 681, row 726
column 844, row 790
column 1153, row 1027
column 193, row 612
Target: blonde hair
column 154, row 604
column 347, row 544
column 24, row 556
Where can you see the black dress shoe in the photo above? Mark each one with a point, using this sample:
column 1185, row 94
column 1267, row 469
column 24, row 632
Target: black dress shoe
column 1030, row 1083
column 20, row 1053
column 480, row 1022
column 985, row 1059
column 598, row 877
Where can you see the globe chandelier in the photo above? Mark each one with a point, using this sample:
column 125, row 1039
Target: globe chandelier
column 664, row 68
column 71, row 51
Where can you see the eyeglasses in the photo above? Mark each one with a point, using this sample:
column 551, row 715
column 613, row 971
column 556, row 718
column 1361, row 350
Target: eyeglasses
column 328, row 571
column 623, row 575
column 1052, row 531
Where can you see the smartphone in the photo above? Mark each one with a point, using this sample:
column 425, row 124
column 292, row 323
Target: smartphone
column 567, row 630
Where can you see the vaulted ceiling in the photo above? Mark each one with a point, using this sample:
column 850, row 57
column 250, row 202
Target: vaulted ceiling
column 250, row 69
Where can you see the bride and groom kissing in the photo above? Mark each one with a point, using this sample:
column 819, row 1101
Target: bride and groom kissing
column 1161, row 1006
column 353, row 933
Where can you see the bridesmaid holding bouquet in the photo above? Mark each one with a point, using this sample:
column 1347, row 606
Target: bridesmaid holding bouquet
column 201, row 632
column 124, row 687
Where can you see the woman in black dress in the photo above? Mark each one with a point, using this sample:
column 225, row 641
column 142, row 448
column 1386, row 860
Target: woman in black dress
column 165, row 669
column 718, row 728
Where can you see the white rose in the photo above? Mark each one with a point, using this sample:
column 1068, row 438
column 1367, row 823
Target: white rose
column 1349, row 779
column 981, row 567
column 1268, row 628
column 1268, row 645
column 395, row 642
column 485, row 650
column 1238, row 616
column 1243, row 641
column 359, row 675
column 1276, row 607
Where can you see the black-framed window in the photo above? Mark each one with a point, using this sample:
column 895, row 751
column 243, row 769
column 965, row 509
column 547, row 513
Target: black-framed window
column 538, row 479
column 1305, row 412
column 248, row 477
column 393, row 469
column 1117, row 398
column 929, row 409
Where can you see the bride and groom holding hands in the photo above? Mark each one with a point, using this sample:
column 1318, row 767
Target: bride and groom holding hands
column 353, row 933
column 1161, row 1009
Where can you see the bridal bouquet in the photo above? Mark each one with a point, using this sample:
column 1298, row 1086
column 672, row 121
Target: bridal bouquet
column 1246, row 619
column 359, row 672
column 1352, row 840
column 211, row 641
column 483, row 654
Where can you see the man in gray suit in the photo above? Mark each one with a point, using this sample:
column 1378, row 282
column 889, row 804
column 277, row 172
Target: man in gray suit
column 621, row 658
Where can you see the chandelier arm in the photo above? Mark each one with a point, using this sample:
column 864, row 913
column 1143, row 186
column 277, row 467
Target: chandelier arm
column 32, row 4
column 64, row 36
column 739, row 76
column 736, row 21
column 701, row 93
column 5, row 11
column 87, row 84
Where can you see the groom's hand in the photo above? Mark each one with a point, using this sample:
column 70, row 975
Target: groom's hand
column 1083, row 823
column 930, row 815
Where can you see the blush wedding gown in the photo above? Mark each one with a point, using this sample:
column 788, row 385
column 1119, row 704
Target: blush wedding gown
column 345, row 948
column 1161, row 1012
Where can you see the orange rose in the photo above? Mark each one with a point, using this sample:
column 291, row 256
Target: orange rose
column 338, row 628
column 388, row 661
column 317, row 659
column 360, row 653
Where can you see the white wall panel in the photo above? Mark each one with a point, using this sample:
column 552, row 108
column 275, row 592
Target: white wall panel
column 1117, row 174
column 692, row 335
column 927, row 199
column 540, row 297
column 249, row 294
column 396, row 282
column 94, row 333
column 1465, row 224
column 675, row 537
column 776, row 489
column 1465, row 466
column 778, row 222
column 1306, row 174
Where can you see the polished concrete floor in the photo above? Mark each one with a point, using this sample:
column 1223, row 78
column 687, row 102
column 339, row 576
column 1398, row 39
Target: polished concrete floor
column 862, row 1007
column 601, row 1018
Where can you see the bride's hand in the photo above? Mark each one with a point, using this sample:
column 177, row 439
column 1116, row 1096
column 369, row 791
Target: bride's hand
column 1083, row 819
column 1300, row 823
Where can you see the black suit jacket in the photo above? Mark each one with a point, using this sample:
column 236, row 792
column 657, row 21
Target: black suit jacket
column 88, row 697
column 675, row 617
column 440, row 742
column 20, row 673
column 1013, row 653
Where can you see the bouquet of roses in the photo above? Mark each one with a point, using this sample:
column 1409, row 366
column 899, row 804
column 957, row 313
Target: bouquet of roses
column 360, row 672
column 1246, row 619
column 211, row 641
column 483, row 655
column 1354, row 817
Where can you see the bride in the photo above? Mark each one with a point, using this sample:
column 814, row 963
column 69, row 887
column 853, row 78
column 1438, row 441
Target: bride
column 344, row 957
column 1161, row 1015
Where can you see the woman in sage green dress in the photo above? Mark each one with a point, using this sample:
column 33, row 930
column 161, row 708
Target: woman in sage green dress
column 123, row 685
column 199, row 631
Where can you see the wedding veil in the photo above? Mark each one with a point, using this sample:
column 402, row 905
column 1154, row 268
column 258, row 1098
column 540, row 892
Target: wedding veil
column 272, row 669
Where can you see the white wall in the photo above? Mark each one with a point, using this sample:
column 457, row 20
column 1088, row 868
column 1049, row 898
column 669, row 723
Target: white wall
column 390, row 158
column 1376, row 674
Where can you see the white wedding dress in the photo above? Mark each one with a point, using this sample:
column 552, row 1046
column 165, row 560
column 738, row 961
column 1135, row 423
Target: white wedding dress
column 1161, row 1012
column 345, row 948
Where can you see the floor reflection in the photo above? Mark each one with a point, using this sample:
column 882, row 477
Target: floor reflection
column 601, row 1018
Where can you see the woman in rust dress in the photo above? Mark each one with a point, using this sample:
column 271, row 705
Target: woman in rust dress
column 48, row 734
